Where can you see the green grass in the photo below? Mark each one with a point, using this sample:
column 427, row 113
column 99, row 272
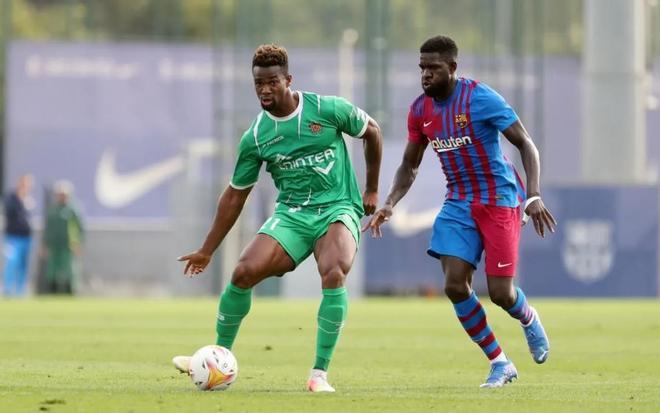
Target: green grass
column 398, row 355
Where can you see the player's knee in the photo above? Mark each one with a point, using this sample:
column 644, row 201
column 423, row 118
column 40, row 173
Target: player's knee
column 502, row 298
column 457, row 291
column 244, row 275
column 332, row 277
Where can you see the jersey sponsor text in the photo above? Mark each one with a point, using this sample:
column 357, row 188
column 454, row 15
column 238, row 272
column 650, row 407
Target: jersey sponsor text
column 450, row 144
column 285, row 162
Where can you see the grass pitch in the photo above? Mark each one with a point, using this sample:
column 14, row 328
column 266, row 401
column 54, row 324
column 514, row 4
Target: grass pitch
column 395, row 355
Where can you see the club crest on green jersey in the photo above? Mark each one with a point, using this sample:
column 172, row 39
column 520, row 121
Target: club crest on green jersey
column 315, row 128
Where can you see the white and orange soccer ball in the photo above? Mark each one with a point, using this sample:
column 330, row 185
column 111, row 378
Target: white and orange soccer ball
column 213, row 368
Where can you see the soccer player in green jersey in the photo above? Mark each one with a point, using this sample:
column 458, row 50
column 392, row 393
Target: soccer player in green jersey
column 298, row 135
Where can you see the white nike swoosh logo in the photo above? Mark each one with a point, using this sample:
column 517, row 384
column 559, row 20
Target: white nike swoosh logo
column 500, row 265
column 114, row 190
column 325, row 170
column 427, row 123
column 405, row 224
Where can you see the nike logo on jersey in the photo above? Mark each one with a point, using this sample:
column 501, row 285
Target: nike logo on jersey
column 428, row 123
column 500, row 265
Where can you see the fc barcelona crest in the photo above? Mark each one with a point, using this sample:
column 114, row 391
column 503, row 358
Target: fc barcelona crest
column 315, row 128
column 461, row 120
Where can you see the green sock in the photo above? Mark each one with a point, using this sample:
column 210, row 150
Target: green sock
column 331, row 316
column 234, row 305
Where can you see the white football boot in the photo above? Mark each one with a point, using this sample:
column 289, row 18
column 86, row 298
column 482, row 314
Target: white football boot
column 182, row 363
column 318, row 382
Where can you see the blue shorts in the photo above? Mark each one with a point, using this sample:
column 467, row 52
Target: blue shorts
column 455, row 233
column 465, row 230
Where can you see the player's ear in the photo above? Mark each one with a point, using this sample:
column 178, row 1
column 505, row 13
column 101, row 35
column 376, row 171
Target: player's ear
column 288, row 78
column 453, row 66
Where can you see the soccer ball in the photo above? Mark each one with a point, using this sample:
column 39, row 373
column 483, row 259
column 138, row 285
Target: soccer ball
column 213, row 368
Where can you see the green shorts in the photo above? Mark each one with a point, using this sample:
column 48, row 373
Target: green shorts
column 297, row 229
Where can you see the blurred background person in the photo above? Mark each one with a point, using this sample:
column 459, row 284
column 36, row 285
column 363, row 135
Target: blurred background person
column 62, row 240
column 18, row 236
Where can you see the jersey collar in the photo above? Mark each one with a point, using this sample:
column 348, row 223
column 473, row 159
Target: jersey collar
column 454, row 93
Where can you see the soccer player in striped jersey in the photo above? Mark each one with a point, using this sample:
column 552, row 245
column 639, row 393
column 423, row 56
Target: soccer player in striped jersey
column 461, row 120
column 298, row 135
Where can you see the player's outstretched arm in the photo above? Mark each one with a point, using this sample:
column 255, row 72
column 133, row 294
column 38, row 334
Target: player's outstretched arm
column 534, row 207
column 230, row 205
column 373, row 153
column 403, row 180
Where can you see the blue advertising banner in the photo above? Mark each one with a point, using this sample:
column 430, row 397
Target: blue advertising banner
column 606, row 244
column 116, row 121
column 122, row 121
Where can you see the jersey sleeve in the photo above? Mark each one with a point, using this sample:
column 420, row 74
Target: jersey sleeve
column 248, row 163
column 349, row 118
column 494, row 109
column 415, row 133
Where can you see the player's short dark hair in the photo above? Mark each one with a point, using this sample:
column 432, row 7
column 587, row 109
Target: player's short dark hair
column 268, row 55
column 440, row 44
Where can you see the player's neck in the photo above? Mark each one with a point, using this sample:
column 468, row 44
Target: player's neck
column 289, row 104
column 448, row 92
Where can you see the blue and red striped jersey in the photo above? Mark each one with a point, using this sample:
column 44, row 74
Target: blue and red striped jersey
column 463, row 130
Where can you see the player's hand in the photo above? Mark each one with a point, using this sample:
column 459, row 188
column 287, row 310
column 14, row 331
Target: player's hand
column 369, row 202
column 196, row 262
column 380, row 217
column 541, row 217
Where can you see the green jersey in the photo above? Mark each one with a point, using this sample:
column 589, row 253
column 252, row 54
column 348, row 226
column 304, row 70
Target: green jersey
column 304, row 152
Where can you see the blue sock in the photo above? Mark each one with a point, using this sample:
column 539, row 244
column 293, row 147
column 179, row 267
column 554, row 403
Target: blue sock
column 521, row 310
column 473, row 318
